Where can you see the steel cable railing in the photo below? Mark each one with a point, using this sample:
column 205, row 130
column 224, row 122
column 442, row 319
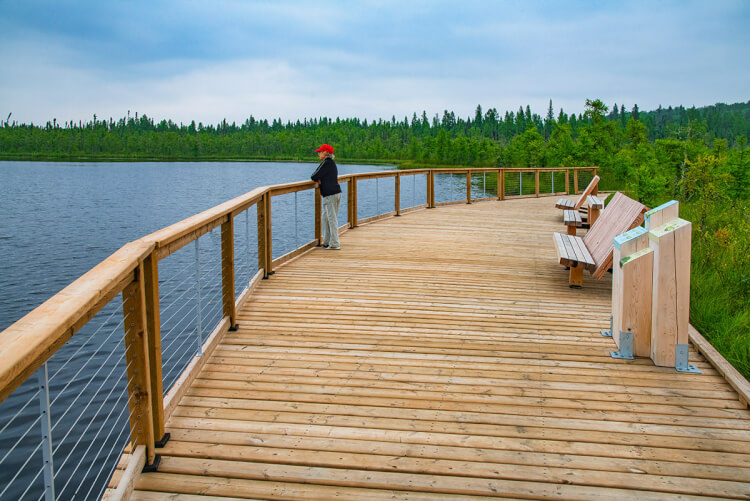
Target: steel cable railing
column 184, row 317
column 413, row 191
column 584, row 178
column 80, row 418
column 77, row 422
column 342, row 214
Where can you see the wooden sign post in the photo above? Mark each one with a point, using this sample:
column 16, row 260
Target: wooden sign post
column 635, row 300
column 670, row 309
column 664, row 213
column 631, row 294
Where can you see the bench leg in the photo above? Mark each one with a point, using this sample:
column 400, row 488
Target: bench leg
column 572, row 230
column 576, row 276
column 593, row 215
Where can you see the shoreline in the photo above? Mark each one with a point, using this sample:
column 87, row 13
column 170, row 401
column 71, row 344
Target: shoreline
column 399, row 164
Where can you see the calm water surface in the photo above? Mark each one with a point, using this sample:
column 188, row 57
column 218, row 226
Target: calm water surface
column 57, row 221
column 60, row 219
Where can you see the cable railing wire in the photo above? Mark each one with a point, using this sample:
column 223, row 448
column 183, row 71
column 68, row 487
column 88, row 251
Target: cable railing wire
column 114, row 367
column 85, row 343
column 81, row 392
column 30, row 456
column 31, row 427
column 115, row 466
column 86, row 363
column 91, row 444
column 177, row 287
column 18, row 413
column 175, row 275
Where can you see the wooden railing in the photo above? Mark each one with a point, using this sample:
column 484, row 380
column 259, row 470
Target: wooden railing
column 134, row 271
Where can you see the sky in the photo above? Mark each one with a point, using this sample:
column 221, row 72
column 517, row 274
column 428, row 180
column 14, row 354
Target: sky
column 205, row 61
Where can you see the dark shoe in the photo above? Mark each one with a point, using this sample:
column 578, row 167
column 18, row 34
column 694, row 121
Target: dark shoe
column 325, row 246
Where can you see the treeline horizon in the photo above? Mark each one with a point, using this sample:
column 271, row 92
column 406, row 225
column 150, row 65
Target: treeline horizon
column 482, row 140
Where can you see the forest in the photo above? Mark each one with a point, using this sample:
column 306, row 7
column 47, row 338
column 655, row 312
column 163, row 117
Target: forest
column 698, row 156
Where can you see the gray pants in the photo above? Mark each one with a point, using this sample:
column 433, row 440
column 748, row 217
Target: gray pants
column 330, row 221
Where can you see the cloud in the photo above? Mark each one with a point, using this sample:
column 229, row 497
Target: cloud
column 230, row 59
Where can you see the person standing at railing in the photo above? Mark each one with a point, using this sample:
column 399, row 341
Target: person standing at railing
column 327, row 175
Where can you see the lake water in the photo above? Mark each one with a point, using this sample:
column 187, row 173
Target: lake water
column 60, row 219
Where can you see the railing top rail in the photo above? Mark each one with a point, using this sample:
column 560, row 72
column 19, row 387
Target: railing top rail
column 29, row 342
column 174, row 232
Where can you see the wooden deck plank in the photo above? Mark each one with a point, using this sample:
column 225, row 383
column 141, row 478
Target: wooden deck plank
column 498, row 484
column 435, row 357
column 507, row 450
column 557, row 418
column 468, row 463
column 528, row 438
column 459, row 393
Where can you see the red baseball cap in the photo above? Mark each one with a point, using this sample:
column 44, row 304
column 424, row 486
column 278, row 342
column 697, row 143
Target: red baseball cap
column 325, row 147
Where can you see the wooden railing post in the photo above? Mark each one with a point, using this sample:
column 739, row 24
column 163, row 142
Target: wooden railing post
column 138, row 367
column 536, row 182
column 468, row 187
column 397, row 187
column 227, row 272
column 575, row 181
column 501, row 184
column 353, row 203
column 153, row 327
column 318, row 215
column 269, row 235
column 431, row 189
column 567, row 181
column 264, row 216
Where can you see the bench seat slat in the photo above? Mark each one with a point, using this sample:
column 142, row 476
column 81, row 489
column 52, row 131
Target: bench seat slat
column 583, row 253
column 564, row 203
column 572, row 218
column 594, row 202
column 571, row 250
column 565, row 253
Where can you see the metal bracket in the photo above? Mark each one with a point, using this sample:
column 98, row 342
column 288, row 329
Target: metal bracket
column 626, row 346
column 234, row 327
column 153, row 467
column 608, row 333
column 159, row 444
column 681, row 364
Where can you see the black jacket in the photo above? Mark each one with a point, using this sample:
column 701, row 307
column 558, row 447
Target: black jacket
column 328, row 175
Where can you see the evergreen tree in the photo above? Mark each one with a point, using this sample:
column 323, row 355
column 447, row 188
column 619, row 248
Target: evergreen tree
column 549, row 121
column 520, row 121
column 478, row 116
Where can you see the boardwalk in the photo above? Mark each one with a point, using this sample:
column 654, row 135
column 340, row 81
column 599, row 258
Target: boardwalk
column 441, row 355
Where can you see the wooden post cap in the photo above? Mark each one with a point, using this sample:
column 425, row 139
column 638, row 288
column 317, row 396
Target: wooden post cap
column 661, row 214
column 633, row 234
column 656, row 233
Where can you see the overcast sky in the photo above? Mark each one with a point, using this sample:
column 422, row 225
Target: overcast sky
column 213, row 59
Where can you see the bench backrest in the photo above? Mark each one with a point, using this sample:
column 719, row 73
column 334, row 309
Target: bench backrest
column 590, row 190
column 622, row 214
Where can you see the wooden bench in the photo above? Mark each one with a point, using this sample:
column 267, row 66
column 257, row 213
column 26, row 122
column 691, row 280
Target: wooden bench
column 594, row 251
column 572, row 220
column 594, row 207
column 591, row 189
